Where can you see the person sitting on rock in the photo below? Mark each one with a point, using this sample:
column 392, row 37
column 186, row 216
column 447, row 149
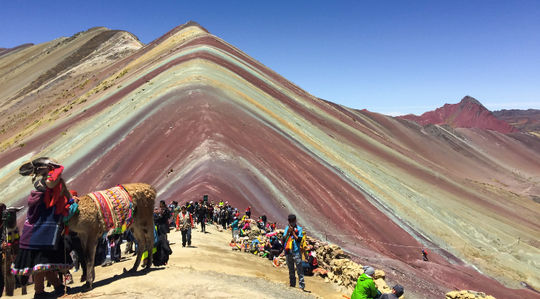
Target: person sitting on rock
column 365, row 287
column 397, row 291
column 311, row 262
column 275, row 249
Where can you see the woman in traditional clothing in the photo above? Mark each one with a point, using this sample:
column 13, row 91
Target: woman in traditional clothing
column 41, row 244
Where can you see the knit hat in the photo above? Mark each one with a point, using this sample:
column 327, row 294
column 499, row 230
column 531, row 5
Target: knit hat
column 369, row 270
column 398, row 289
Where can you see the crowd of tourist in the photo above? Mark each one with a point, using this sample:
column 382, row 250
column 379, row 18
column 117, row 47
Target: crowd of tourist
column 44, row 255
column 260, row 237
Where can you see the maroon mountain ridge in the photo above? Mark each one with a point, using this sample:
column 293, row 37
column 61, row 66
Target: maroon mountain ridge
column 469, row 113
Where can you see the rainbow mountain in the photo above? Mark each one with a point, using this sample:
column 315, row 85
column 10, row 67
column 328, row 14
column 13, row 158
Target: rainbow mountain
column 192, row 115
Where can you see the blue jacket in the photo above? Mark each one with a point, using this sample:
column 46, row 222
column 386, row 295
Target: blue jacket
column 296, row 243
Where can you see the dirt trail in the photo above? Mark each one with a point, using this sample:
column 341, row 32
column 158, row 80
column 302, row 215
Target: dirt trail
column 209, row 269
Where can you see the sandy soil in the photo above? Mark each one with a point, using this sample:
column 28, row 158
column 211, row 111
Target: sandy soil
column 208, row 269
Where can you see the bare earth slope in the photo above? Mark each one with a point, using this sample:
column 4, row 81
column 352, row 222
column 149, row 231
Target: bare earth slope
column 191, row 115
column 42, row 82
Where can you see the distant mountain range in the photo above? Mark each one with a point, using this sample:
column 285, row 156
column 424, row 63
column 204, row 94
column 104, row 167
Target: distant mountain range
column 470, row 113
column 524, row 120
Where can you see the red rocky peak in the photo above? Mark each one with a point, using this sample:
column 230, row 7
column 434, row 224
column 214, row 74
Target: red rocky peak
column 469, row 113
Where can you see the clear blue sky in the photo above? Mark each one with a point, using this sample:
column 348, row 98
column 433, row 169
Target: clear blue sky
column 392, row 57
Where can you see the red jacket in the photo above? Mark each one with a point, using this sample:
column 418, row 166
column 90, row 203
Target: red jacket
column 181, row 217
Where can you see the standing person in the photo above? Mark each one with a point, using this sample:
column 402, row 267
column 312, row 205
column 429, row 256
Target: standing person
column 230, row 214
column 162, row 219
column 175, row 209
column 248, row 212
column 292, row 235
column 184, row 222
column 397, row 291
column 223, row 217
column 365, row 287
column 190, row 207
column 41, row 246
column 235, row 227
column 424, row 255
column 202, row 217
column 210, row 213
column 217, row 221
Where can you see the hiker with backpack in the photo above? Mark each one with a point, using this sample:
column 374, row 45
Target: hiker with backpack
column 292, row 236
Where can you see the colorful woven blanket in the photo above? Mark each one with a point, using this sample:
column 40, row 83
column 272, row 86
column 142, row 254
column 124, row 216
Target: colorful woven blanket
column 116, row 206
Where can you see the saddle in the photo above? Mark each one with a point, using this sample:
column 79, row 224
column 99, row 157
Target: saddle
column 116, row 207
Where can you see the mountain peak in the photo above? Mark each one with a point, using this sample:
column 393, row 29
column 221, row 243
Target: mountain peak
column 468, row 113
column 470, row 100
column 188, row 24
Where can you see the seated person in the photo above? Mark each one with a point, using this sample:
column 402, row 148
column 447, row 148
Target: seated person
column 275, row 249
column 397, row 291
column 311, row 262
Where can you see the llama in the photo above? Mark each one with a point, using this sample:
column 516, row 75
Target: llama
column 90, row 225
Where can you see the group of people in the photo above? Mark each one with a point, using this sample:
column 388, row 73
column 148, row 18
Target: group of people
column 301, row 259
column 187, row 216
column 43, row 255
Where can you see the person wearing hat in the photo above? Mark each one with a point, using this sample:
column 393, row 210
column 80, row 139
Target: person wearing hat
column 41, row 248
column 365, row 287
column 397, row 291
column 292, row 236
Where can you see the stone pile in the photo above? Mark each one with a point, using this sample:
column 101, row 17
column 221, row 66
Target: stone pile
column 466, row 294
column 340, row 269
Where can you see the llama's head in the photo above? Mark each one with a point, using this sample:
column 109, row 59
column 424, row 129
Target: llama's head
column 38, row 167
column 9, row 216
